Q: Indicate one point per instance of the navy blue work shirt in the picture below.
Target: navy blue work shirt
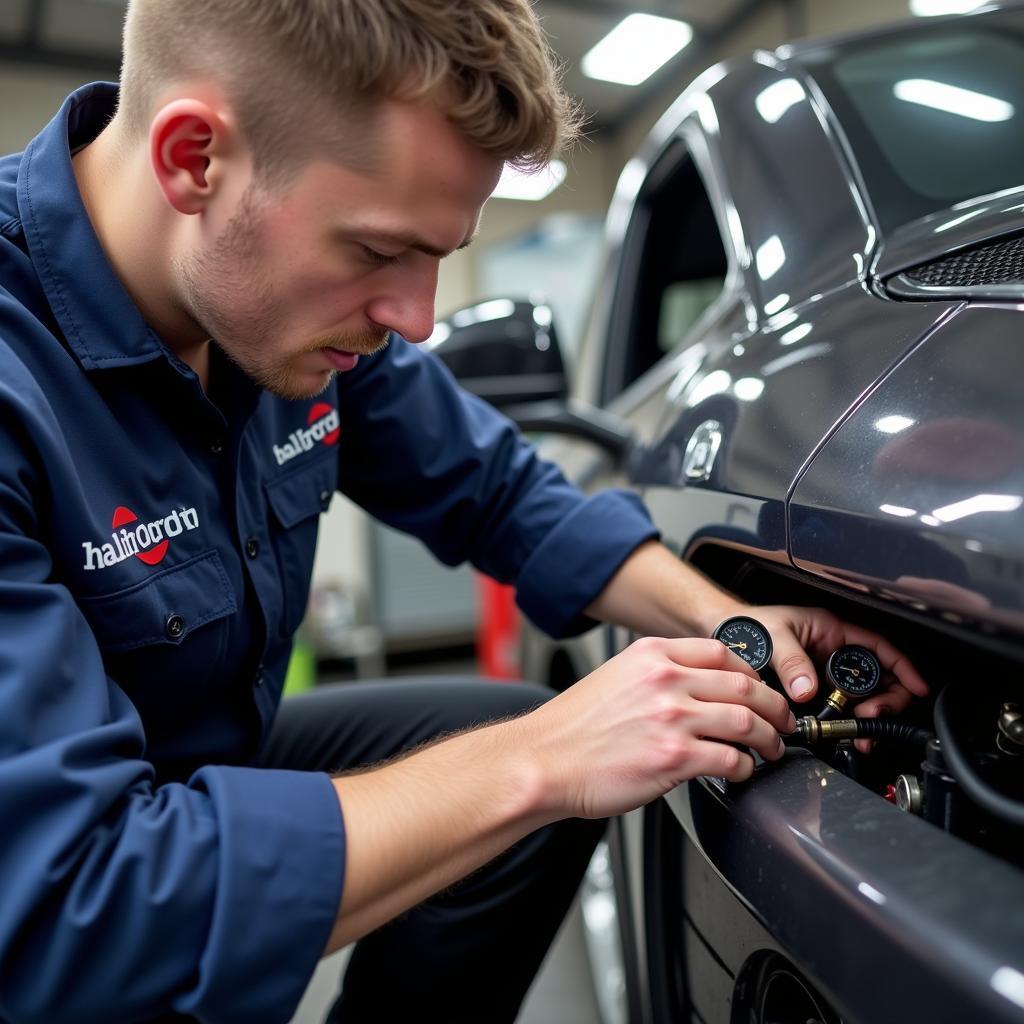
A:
(156, 544)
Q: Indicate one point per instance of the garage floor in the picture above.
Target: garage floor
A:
(560, 995)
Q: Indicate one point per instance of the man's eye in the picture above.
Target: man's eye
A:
(380, 258)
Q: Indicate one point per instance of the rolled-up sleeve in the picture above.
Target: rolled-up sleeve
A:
(124, 900)
(426, 457)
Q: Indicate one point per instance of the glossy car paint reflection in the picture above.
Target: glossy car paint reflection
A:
(983, 219)
(818, 837)
(804, 228)
(779, 391)
(933, 514)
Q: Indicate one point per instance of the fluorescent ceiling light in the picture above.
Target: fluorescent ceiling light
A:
(979, 503)
(1009, 982)
(898, 510)
(774, 101)
(494, 309)
(442, 332)
(953, 100)
(636, 48)
(748, 389)
(514, 184)
(796, 334)
(960, 220)
(770, 257)
(893, 424)
(931, 8)
(776, 305)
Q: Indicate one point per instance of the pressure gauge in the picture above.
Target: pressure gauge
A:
(854, 673)
(747, 638)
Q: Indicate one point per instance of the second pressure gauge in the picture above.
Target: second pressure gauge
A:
(854, 673)
(854, 670)
(747, 638)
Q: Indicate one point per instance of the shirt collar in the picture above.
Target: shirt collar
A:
(102, 325)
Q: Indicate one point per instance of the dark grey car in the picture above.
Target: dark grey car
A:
(807, 354)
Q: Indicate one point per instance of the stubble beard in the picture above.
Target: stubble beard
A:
(213, 281)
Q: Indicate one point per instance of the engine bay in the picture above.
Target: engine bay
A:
(955, 758)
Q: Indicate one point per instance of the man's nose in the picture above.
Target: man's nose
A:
(407, 305)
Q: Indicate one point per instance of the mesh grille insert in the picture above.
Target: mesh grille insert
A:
(1001, 263)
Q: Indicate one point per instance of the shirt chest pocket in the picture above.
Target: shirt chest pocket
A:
(296, 501)
(187, 602)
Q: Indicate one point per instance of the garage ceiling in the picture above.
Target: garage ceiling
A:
(85, 35)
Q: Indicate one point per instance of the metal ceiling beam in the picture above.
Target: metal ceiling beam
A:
(34, 24)
(609, 7)
(108, 67)
(32, 50)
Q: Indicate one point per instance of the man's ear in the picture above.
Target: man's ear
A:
(185, 139)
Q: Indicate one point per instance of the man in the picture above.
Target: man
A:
(212, 290)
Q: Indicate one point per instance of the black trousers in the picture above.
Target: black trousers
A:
(469, 953)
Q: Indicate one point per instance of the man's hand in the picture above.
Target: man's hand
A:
(647, 720)
(630, 731)
(654, 592)
(800, 634)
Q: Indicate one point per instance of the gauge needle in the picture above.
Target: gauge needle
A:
(854, 672)
(742, 647)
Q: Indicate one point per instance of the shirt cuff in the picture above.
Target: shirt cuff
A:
(577, 559)
(280, 868)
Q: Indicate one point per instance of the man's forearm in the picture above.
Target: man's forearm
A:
(657, 594)
(417, 825)
(622, 736)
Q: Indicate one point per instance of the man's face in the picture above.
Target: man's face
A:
(301, 282)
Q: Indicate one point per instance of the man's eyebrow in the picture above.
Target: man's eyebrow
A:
(412, 242)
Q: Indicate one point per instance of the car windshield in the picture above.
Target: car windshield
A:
(934, 113)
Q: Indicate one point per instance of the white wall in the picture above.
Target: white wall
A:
(588, 187)
(29, 97)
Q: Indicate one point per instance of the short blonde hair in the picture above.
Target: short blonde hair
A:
(281, 60)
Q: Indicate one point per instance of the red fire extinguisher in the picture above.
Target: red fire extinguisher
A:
(497, 635)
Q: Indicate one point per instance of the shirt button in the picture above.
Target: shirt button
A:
(252, 547)
(325, 498)
(217, 448)
(174, 626)
(258, 679)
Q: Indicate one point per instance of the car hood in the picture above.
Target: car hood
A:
(979, 220)
(919, 495)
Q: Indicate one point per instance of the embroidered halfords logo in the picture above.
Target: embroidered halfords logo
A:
(148, 541)
(323, 427)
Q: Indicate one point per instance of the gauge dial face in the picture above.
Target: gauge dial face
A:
(854, 670)
(747, 638)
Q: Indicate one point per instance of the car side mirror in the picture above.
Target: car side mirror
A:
(507, 352)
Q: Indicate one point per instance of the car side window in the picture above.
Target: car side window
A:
(673, 267)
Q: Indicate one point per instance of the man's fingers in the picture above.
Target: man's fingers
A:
(892, 660)
(794, 668)
(730, 689)
(891, 702)
(739, 724)
(719, 759)
(697, 652)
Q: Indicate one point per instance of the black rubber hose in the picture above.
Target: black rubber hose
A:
(983, 794)
(891, 729)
